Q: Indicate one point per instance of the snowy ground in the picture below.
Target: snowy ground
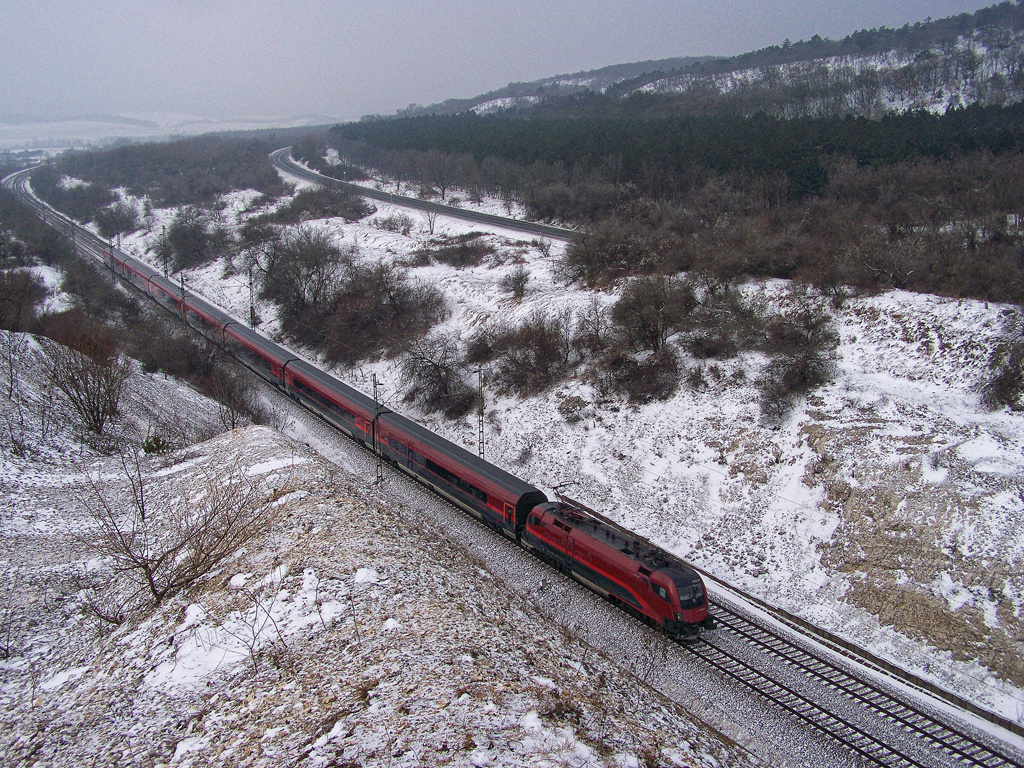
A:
(887, 509)
(352, 630)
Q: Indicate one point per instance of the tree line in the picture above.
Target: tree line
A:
(194, 171)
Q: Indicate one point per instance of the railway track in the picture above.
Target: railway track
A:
(813, 704)
(949, 743)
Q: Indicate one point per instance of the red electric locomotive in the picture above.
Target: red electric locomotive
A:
(644, 580)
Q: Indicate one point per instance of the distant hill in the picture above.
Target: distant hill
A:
(518, 94)
(931, 65)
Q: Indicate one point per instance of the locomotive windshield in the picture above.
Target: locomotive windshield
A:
(691, 589)
(691, 596)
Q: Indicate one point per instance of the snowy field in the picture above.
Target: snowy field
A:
(888, 508)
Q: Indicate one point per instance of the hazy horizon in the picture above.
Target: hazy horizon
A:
(231, 58)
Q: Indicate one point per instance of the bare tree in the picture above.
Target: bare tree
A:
(237, 401)
(93, 385)
(651, 309)
(13, 347)
(431, 218)
(433, 375)
(165, 548)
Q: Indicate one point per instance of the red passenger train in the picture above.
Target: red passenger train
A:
(631, 572)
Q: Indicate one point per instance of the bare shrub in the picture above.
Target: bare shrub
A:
(165, 548)
(237, 401)
(174, 349)
(117, 218)
(515, 282)
(13, 347)
(1005, 386)
(21, 293)
(593, 329)
(323, 202)
(616, 248)
(572, 408)
(536, 355)
(466, 250)
(399, 223)
(651, 309)
(433, 374)
(192, 240)
(304, 270)
(92, 384)
(377, 311)
(480, 348)
(651, 377)
(804, 344)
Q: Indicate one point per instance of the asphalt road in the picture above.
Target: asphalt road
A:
(283, 160)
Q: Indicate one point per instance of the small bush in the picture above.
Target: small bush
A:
(21, 294)
(117, 219)
(192, 240)
(803, 344)
(515, 282)
(93, 384)
(397, 222)
(572, 408)
(651, 309)
(654, 377)
(1005, 385)
(377, 311)
(466, 250)
(323, 203)
(156, 444)
(533, 356)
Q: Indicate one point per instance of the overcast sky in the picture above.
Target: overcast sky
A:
(232, 58)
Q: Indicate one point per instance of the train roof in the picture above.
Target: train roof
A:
(634, 547)
(260, 341)
(330, 383)
(420, 434)
(223, 317)
(474, 463)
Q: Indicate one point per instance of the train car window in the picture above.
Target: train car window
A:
(455, 480)
(533, 520)
(660, 591)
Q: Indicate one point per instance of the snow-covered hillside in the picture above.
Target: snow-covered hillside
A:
(888, 508)
(930, 66)
(351, 630)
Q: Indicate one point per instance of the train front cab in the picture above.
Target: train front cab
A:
(688, 598)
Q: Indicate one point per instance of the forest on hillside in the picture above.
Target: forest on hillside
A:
(918, 201)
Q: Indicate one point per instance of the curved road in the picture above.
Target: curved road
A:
(282, 159)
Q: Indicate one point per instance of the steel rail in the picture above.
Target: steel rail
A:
(943, 735)
(836, 727)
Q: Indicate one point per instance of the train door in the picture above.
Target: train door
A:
(563, 543)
